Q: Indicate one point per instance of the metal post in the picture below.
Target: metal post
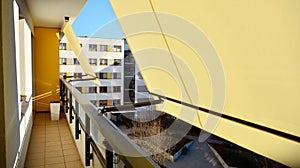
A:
(109, 157)
(88, 139)
(66, 100)
(70, 107)
(61, 90)
(77, 130)
(77, 121)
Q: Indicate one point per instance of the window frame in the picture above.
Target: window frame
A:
(105, 62)
(93, 47)
(91, 61)
(116, 89)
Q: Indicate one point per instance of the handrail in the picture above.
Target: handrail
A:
(132, 106)
(119, 142)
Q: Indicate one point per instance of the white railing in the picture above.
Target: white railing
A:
(99, 142)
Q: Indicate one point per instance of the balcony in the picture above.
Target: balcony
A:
(99, 141)
(51, 144)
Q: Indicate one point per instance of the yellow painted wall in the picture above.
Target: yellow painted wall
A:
(46, 67)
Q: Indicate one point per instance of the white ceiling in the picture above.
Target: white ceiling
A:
(51, 13)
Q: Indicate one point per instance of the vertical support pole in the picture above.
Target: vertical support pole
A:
(77, 130)
(109, 157)
(61, 90)
(63, 93)
(77, 123)
(66, 99)
(70, 107)
(88, 139)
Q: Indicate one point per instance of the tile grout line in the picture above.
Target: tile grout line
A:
(62, 149)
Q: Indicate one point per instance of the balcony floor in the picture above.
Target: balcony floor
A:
(51, 144)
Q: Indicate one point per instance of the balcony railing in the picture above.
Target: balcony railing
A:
(97, 138)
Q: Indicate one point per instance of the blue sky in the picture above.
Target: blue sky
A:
(97, 19)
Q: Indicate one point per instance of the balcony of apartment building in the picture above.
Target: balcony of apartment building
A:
(259, 101)
(82, 137)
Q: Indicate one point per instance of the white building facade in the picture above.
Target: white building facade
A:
(106, 57)
(113, 64)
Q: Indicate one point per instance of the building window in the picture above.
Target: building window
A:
(103, 89)
(76, 62)
(116, 102)
(117, 89)
(117, 62)
(103, 61)
(92, 47)
(103, 47)
(77, 75)
(62, 61)
(63, 46)
(117, 48)
(103, 102)
(93, 61)
(102, 75)
(142, 89)
(92, 89)
(116, 75)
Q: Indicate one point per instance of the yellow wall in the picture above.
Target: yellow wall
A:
(46, 67)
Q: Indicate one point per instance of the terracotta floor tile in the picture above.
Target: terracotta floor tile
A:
(51, 139)
(54, 160)
(52, 132)
(37, 140)
(70, 158)
(68, 146)
(70, 152)
(65, 131)
(75, 164)
(51, 123)
(34, 149)
(51, 126)
(59, 165)
(53, 154)
(66, 142)
(34, 166)
(37, 144)
(65, 137)
(53, 148)
(35, 162)
(52, 144)
(33, 156)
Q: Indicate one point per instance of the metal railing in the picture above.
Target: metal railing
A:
(95, 124)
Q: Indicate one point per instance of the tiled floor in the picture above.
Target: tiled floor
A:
(51, 144)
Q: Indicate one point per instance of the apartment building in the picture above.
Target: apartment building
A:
(114, 65)
(106, 59)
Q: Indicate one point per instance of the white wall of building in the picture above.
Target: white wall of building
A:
(109, 55)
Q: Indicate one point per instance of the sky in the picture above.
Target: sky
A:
(97, 19)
